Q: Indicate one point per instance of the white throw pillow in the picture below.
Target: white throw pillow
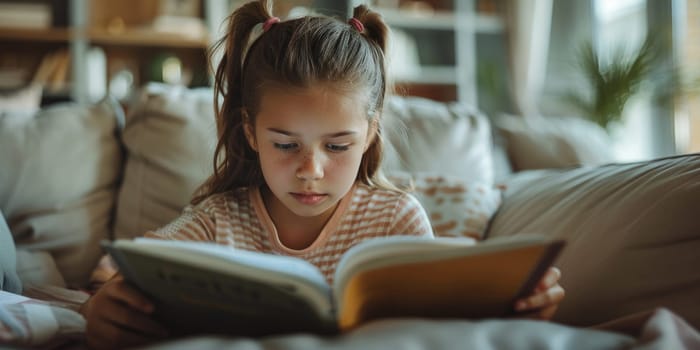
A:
(60, 170)
(426, 136)
(456, 208)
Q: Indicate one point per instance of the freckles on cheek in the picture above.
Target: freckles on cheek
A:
(270, 160)
(281, 162)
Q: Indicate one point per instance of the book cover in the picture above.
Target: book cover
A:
(207, 288)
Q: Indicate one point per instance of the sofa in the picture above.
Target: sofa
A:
(75, 175)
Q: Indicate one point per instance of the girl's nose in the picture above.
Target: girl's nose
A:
(311, 167)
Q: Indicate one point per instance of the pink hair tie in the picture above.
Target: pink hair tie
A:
(269, 22)
(255, 33)
(355, 23)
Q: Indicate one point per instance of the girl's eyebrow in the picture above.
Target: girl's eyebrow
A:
(331, 135)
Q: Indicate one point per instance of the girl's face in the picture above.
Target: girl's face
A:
(310, 143)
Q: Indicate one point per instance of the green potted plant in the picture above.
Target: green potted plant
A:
(611, 83)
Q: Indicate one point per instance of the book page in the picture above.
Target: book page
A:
(390, 250)
(287, 265)
(402, 249)
(267, 268)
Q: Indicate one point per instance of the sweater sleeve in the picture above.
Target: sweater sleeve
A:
(194, 224)
(410, 218)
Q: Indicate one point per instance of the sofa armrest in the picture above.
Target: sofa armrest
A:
(632, 234)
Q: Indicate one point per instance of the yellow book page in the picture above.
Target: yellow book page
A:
(473, 287)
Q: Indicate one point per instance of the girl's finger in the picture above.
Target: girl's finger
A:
(551, 296)
(550, 279)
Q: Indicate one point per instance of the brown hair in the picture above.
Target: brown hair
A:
(296, 53)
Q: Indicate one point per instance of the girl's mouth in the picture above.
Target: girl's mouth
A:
(309, 198)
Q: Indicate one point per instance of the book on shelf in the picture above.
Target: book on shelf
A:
(25, 15)
(204, 287)
(53, 69)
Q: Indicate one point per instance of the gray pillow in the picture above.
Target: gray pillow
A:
(8, 260)
(551, 142)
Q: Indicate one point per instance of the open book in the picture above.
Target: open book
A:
(203, 287)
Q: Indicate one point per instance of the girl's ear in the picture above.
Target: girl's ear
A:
(249, 131)
(371, 133)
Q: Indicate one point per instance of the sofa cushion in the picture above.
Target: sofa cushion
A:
(632, 231)
(60, 170)
(442, 138)
(543, 143)
(170, 135)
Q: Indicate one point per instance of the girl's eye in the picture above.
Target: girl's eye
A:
(285, 146)
(337, 148)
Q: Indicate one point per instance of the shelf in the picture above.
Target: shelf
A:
(130, 37)
(441, 20)
(145, 37)
(35, 35)
(429, 75)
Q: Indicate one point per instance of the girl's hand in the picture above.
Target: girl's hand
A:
(119, 316)
(545, 299)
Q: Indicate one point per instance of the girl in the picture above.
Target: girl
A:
(296, 164)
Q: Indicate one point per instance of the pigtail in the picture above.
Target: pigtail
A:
(228, 76)
(374, 26)
(233, 156)
(376, 31)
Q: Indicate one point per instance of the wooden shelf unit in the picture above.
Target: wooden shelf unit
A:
(122, 30)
